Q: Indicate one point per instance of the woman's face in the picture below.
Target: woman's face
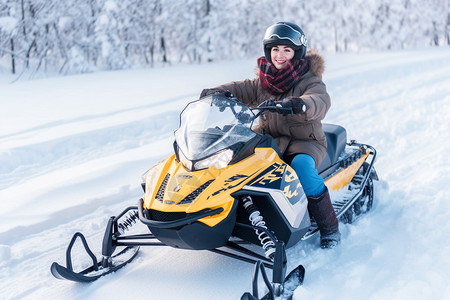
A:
(281, 55)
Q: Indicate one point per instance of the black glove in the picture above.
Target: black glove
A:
(296, 103)
(207, 92)
(283, 107)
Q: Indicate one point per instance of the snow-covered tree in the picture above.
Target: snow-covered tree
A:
(75, 36)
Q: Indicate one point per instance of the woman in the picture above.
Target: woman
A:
(290, 77)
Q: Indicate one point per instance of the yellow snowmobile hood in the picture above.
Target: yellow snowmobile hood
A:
(172, 188)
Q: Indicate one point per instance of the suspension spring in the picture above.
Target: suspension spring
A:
(257, 220)
(127, 222)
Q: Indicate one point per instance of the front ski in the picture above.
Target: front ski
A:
(96, 270)
(292, 282)
(285, 291)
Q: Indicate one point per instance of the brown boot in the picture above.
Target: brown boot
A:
(321, 209)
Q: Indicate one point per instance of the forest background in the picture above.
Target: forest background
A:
(79, 36)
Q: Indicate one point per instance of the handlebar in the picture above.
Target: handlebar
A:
(276, 108)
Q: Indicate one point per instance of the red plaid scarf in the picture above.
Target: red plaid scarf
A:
(277, 81)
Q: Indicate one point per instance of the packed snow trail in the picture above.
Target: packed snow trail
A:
(72, 150)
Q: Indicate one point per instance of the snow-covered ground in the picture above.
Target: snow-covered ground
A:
(72, 150)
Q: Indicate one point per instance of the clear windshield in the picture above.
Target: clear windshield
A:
(212, 124)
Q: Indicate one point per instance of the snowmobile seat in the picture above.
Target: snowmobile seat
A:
(336, 140)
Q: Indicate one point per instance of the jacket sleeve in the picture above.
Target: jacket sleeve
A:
(244, 91)
(315, 97)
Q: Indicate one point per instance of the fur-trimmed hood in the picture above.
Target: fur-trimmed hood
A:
(316, 62)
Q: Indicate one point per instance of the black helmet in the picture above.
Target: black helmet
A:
(285, 33)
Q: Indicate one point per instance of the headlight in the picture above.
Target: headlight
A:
(219, 160)
(144, 176)
(149, 177)
(186, 162)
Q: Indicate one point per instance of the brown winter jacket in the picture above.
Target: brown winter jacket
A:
(294, 134)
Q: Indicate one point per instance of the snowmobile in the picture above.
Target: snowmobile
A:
(227, 189)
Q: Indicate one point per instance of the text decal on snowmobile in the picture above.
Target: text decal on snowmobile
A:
(269, 177)
(229, 183)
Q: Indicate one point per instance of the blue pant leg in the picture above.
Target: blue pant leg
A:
(305, 167)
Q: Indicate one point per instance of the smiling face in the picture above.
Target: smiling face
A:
(281, 55)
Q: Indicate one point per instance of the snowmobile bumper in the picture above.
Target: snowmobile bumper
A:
(186, 232)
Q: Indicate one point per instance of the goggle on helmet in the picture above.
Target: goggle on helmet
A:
(285, 33)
